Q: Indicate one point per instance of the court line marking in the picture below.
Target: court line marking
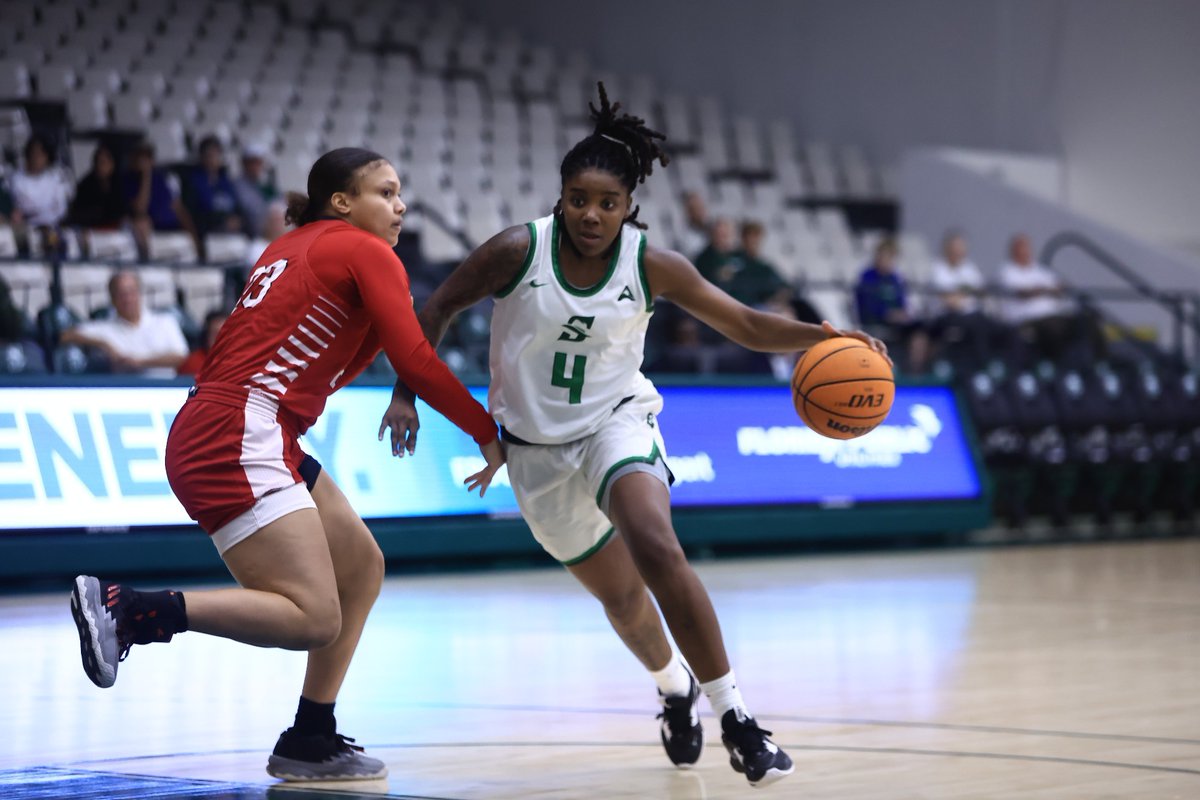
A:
(949, 726)
(790, 746)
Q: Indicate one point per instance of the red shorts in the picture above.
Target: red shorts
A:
(234, 461)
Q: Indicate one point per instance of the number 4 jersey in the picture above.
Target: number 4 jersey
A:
(562, 357)
(318, 306)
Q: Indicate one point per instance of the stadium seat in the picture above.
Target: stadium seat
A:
(116, 246)
(22, 358)
(172, 247)
(51, 321)
(85, 286)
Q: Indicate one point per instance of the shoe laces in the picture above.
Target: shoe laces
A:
(347, 743)
(677, 712)
(117, 604)
(750, 737)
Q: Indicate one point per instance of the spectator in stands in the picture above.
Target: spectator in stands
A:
(720, 260)
(154, 200)
(274, 225)
(881, 298)
(212, 326)
(1033, 302)
(694, 236)
(100, 200)
(41, 194)
(757, 282)
(12, 321)
(209, 193)
(254, 188)
(135, 339)
(6, 198)
(959, 327)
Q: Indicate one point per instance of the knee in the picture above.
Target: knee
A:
(657, 553)
(370, 572)
(322, 625)
(623, 608)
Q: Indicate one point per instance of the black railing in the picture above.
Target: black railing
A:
(1183, 307)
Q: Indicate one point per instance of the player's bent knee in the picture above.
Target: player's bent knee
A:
(625, 607)
(321, 627)
(656, 555)
(373, 568)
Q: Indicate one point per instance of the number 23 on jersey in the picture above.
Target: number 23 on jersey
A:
(259, 283)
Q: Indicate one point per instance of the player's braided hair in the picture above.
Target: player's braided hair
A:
(619, 144)
(336, 171)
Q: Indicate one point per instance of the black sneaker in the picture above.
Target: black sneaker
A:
(751, 752)
(98, 608)
(319, 757)
(682, 736)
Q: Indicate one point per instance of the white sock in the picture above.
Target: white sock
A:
(673, 680)
(723, 695)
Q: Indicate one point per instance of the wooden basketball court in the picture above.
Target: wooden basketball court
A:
(1065, 671)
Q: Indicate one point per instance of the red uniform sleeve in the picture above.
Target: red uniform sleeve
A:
(383, 286)
(361, 360)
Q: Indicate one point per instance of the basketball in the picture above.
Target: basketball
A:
(842, 388)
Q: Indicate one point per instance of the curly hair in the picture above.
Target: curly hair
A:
(620, 144)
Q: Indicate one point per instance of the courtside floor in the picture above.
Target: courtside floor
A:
(1040, 672)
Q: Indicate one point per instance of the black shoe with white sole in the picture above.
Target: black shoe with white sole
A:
(682, 736)
(751, 752)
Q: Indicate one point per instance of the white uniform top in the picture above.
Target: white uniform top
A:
(562, 358)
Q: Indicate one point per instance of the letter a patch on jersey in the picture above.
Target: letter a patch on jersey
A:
(626, 294)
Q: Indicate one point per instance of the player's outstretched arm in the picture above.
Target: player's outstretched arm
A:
(674, 278)
(487, 270)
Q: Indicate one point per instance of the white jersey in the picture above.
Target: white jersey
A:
(563, 358)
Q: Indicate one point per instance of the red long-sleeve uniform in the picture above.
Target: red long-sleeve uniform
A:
(318, 307)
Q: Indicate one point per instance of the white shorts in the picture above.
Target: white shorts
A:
(563, 490)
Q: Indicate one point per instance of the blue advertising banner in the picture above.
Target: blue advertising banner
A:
(92, 457)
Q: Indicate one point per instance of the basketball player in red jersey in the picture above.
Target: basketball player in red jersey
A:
(574, 293)
(318, 307)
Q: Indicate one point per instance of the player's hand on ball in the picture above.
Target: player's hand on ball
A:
(402, 418)
(875, 344)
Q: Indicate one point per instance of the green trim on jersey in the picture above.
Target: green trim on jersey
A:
(650, 459)
(591, 550)
(642, 274)
(515, 282)
(591, 290)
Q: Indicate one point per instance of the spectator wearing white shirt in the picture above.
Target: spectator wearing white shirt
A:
(955, 280)
(1033, 302)
(960, 329)
(41, 195)
(135, 340)
(1031, 291)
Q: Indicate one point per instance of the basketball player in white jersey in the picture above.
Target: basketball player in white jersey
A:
(574, 292)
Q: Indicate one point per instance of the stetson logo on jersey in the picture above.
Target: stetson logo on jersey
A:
(573, 332)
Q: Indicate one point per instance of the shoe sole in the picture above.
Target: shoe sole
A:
(87, 624)
(282, 768)
(771, 776)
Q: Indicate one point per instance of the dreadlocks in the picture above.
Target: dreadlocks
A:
(620, 144)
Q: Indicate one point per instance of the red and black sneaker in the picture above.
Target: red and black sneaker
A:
(104, 642)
